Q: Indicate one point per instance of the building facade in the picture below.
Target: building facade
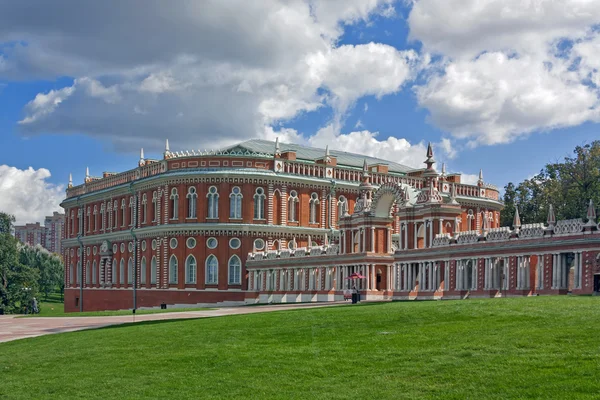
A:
(32, 234)
(55, 225)
(48, 236)
(179, 230)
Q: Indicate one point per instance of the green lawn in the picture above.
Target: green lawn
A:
(540, 347)
(57, 310)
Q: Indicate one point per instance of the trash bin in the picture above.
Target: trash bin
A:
(163, 306)
(354, 298)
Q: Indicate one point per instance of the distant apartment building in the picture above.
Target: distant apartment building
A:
(31, 234)
(54, 225)
(48, 236)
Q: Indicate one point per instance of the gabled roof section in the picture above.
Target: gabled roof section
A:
(306, 153)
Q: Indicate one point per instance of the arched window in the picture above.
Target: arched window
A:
(314, 208)
(114, 271)
(235, 270)
(154, 206)
(122, 272)
(131, 211)
(87, 273)
(144, 208)
(72, 222)
(235, 203)
(174, 204)
(192, 197)
(102, 208)
(89, 219)
(259, 203)
(95, 218)
(115, 214)
(122, 212)
(471, 220)
(94, 272)
(173, 269)
(79, 220)
(130, 271)
(213, 202)
(212, 270)
(190, 269)
(143, 271)
(342, 206)
(293, 206)
(153, 271)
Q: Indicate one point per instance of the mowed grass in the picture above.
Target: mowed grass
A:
(57, 310)
(542, 347)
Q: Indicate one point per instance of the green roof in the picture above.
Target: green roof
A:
(306, 153)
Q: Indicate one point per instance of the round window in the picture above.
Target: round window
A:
(235, 243)
(292, 245)
(130, 247)
(115, 248)
(122, 247)
(260, 191)
(153, 244)
(173, 243)
(212, 190)
(143, 245)
(211, 243)
(95, 250)
(236, 190)
(191, 243)
(88, 251)
(259, 244)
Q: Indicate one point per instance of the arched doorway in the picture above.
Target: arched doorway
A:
(420, 237)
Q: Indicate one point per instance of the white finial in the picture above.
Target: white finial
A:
(327, 150)
(481, 175)
(443, 168)
(142, 154)
(277, 149)
(87, 172)
(167, 145)
(70, 179)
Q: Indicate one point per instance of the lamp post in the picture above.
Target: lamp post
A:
(132, 232)
(80, 241)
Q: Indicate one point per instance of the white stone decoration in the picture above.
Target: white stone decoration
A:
(567, 226)
(498, 234)
(467, 237)
(528, 231)
(441, 239)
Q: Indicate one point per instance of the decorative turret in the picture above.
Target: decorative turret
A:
(327, 156)
(430, 161)
(142, 161)
(70, 185)
(363, 204)
(453, 194)
(87, 175)
(551, 217)
(277, 149)
(516, 221)
(167, 153)
(443, 175)
(591, 214)
(480, 180)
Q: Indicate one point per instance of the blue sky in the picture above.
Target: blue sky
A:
(506, 86)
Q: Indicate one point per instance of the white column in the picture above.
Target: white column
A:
(363, 237)
(430, 285)
(579, 269)
(415, 235)
(374, 276)
(528, 272)
(404, 276)
(540, 279)
(430, 233)
(343, 244)
(553, 271)
(446, 275)
(372, 239)
(405, 236)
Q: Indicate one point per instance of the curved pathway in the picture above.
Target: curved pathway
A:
(13, 328)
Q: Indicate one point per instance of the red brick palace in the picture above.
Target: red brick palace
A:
(262, 221)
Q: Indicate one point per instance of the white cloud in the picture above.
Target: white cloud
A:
(27, 194)
(495, 99)
(507, 67)
(194, 79)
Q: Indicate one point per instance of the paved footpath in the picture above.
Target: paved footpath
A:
(12, 328)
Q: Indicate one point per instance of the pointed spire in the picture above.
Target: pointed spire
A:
(142, 154)
(327, 151)
(167, 153)
(430, 161)
(551, 217)
(365, 166)
(70, 180)
(443, 169)
(87, 172)
(480, 180)
(167, 146)
(591, 213)
(517, 220)
(277, 153)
